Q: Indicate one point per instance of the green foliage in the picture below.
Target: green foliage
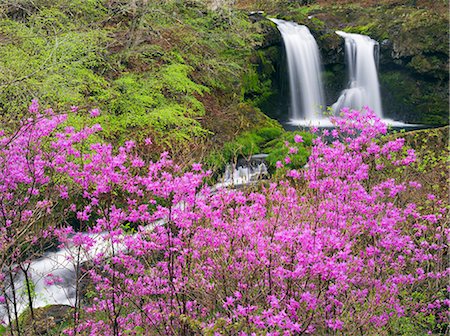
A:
(245, 145)
(28, 286)
(146, 65)
(269, 133)
(166, 107)
(278, 150)
(254, 87)
(173, 118)
(134, 94)
(55, 66)
(421, 323)
(175, 78)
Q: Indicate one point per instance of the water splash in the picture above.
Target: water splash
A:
(245, 172)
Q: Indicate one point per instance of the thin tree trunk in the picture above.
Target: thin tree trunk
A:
(13, 292)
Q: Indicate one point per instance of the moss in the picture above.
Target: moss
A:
(48, 320)
(414, 101)
(269, 133)
(427, 65)
(418, 31)
(364, 30)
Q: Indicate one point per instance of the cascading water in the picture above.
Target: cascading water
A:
(304, 68)
(245, 172)
(54, 275)
(363, 90)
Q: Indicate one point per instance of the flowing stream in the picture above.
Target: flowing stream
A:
(244, 172)
(54, 275)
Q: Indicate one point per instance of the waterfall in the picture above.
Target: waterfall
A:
(304, 66)
(363, 90)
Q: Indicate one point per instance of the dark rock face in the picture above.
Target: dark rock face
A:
(272, 36)
(414, 68)
(413, 65)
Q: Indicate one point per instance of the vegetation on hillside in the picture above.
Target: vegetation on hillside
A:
(173, 71)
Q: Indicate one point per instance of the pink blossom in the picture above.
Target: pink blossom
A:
(293, 150)
(34, 107)
(94, 113)
(328, 245)
(196, 166)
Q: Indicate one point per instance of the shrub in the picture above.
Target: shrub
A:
(340, 255)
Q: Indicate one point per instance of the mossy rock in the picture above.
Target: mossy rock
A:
(428, 65)
(415, 101)
(48, 320)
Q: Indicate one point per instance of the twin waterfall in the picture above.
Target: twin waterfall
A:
(304, 66)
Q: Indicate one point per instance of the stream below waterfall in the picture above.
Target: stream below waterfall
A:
(54, 275)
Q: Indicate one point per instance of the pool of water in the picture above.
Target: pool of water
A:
(301, 124)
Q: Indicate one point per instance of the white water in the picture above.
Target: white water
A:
(60, 268)
(61, 265)
(363, 90)
(53, 276)
(326, 123)
(304, 65)
(243, 174)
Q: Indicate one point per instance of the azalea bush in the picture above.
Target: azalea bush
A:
(323, 250)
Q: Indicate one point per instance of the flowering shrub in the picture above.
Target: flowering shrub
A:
(26, 202)
(180, 257)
